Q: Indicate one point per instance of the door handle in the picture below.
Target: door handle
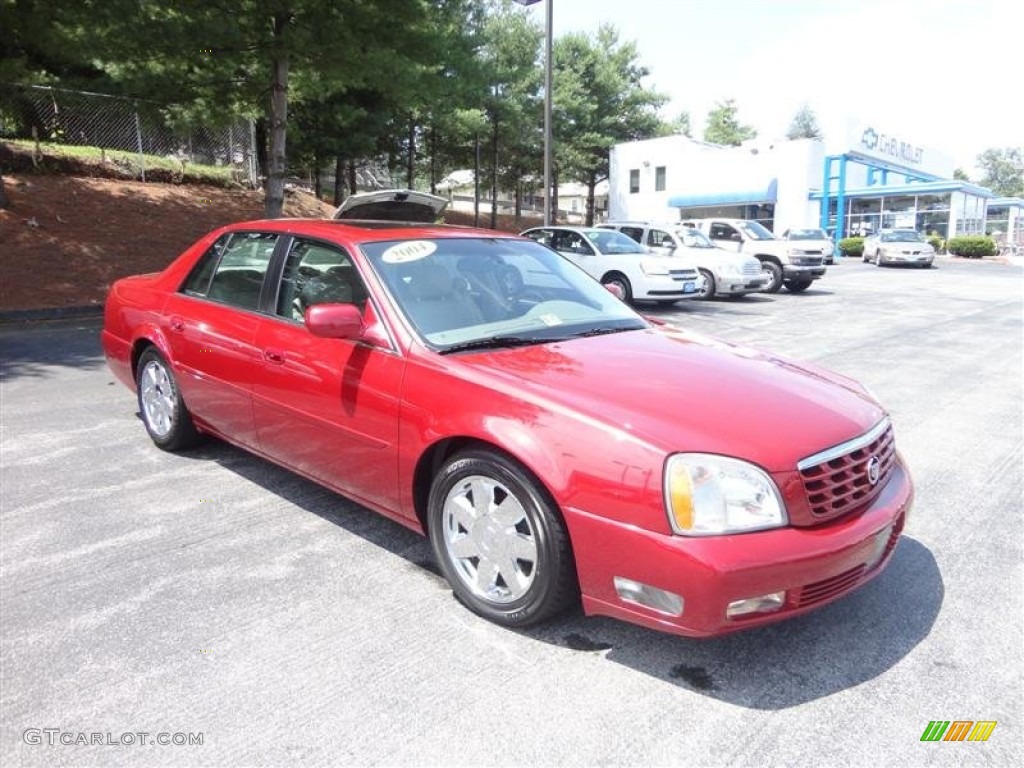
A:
(275, 356)
(177, 324)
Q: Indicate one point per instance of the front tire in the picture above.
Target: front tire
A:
(708, 291)
(774, 271)
(620, 280)
(797, 286)
(163, 410)
(499, 540)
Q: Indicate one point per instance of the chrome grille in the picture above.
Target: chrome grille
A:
(807, 261)
(683, 274)
(751, 269)
(839, 482)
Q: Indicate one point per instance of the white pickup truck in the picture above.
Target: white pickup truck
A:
(780, 260)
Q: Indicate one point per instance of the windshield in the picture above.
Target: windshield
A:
(807, 234)
(693, 238)
(457, 292)
(756, 231)
(611, 241)
(903, 236)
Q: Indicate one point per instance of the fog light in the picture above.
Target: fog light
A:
(650, 597)
(763, 604)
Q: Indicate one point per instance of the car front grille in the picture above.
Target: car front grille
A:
(807, 261)
(683, 274)
(751, 270)
(841, 482)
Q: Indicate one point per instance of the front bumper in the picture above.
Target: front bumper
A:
(662, 287)
(813, 566)
(797, 272)
(906, 258)
(735, 285)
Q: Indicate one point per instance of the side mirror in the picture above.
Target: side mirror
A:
(335, 321)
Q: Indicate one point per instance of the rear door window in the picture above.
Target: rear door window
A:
(238, 278)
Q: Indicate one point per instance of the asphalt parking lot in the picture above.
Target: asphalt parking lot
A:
(212, 593)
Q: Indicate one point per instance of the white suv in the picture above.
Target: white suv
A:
(618, 261)
(725, 273)
(784, 264)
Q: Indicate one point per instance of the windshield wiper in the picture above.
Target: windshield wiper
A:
(495, 342)
(601, 331)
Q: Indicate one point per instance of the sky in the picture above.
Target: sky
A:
(946, 74)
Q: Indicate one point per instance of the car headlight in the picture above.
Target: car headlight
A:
(706, 495)
(730, 269)
(653, 268)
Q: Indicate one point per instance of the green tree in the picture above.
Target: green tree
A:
(960, 175)
(599, 100)
(681, 125)
(259, 57)
(724, 128)
(1003, 171)
(804, 125)
(511, 93)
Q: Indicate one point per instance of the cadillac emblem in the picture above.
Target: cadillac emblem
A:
(874, 468)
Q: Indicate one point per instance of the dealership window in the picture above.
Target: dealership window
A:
(659, 179)
(997, 220)
(968, 213)
(898, 211)
(634, 181)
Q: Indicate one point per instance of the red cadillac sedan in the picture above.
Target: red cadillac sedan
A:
(554, 445)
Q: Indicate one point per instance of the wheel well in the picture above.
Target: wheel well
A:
(768, 257)
(613, 273)
(436, 455)
(140, 346)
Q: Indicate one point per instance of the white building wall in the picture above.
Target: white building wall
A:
(672, 152)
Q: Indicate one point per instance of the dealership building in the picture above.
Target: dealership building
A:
(869, 180)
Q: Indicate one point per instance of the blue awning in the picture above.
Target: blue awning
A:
(718, 194)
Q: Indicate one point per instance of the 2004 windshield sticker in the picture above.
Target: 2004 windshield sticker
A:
(413, 250)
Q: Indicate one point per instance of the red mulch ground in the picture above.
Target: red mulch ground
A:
(65, 239)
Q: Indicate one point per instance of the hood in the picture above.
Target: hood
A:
(392, 205)
(684, 392)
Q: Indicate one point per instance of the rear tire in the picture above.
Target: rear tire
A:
(499, 540)
(163, 410)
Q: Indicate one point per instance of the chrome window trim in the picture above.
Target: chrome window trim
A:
(844, 448)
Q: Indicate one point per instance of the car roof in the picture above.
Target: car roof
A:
(366, 231)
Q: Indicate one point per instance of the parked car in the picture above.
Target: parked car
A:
(725, 273)
(812, 242)
(781, 263)
(898, 246)
(555, 446)
(619, 261)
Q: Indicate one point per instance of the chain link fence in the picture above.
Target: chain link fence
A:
(144, 129)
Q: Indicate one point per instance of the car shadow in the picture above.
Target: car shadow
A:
(32, 353)
(783, 665)
(839, 646)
